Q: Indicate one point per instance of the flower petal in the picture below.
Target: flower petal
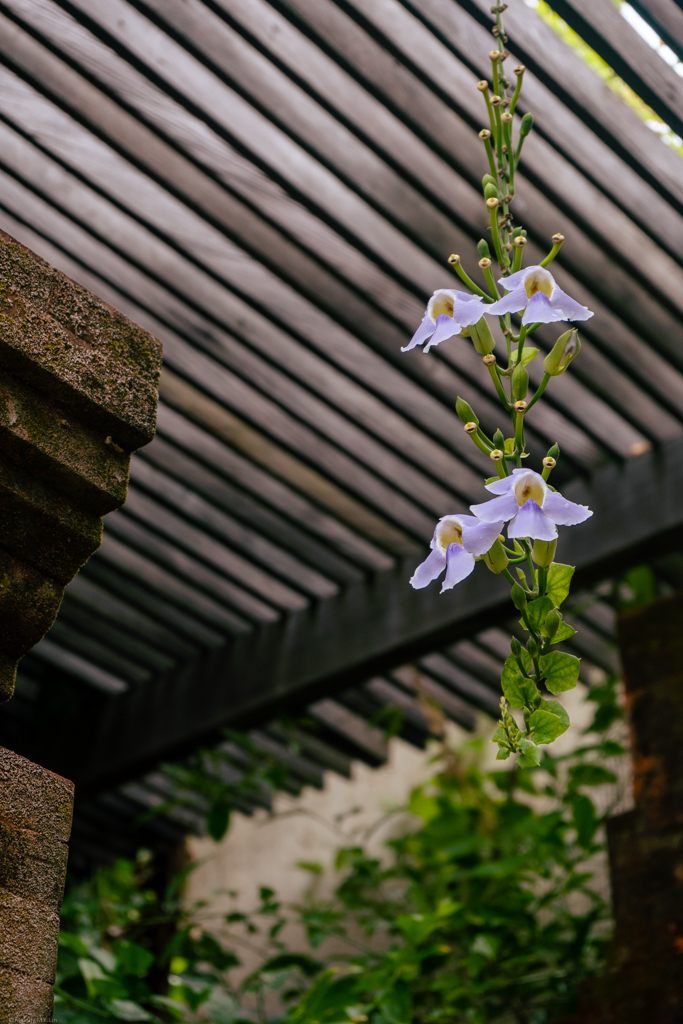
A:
(460, 565)
(501, 486)
(510, 303)
(531, 522)
(569, 307)
(423, 332)
(478, 537)
(541, 311)
(497, 509)
(432, 567)
(468, 309)
(508, 283)
(446, 327)
(563, 512)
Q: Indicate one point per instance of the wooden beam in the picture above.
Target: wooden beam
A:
(364, 631)
(666, 17)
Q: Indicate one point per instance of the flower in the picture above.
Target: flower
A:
(534, 291)
(456, 540)
(448, 312)
(534, 510)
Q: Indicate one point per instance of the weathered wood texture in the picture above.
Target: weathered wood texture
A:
(272, 188)
(643, 982)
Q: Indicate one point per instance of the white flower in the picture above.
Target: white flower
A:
(534, 290)
(448, 312)
(531, 507)
(456, 540)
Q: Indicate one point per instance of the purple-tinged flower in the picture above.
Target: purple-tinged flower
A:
(531, 507)
(448, 312)
(456, 541)
(534, 290)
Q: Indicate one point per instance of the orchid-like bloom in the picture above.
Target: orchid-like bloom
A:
(534, 290)
(448, 312)
(456, 541)
(533, 510)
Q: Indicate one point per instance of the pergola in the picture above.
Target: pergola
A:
(272, 188)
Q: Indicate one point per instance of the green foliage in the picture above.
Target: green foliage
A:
(483, 910)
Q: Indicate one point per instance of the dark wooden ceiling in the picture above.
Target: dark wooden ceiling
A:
(272, 187)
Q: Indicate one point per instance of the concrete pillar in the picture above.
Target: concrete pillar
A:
(644, 983)
(78, 394)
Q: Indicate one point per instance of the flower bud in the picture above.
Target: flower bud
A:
(554, 452)
(543, 552)
(518, 597)
(495, 558)
(563, 351)
(488, 179)
(498, 439)
(481, 336)
(490, 190)
(483, 248)
(515, 647)
(532, 647)
(465, 411)
(553, 621)
(519, 382)
(526, 125)
(494, 54)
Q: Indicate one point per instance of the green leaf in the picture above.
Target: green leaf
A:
(519, 691)
(546, 726)
(564, 633)
(536, 612)
(556, 708)
(132, 958)
(218, 819)
(509, 445)
(396, 1004)
(530, 756)
(124, 1009)
(528, 353)
(590, 775)
(584, 819)
(417, 927)
(503, 754)
(559, 581)
(560, 670)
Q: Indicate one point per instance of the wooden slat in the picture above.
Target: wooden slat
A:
(666, 17)
(463, 683)
(135, 562)
(88, 625)
(623, 49)
(368, 740)
(212, 520)
(99, 652)
(79, 667)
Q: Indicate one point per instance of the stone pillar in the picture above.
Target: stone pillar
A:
(644, 983)
(78, 394)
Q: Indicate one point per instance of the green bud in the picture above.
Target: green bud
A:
(563, 351)
(465, 411)
(519, 384)
(515, 647)
(481, 336)
(491, 191)
(553, 621)
(488, 179)
(543, 552)
(483, 247)
(517, 232)
(495, 558)
(532, 647)
(518, 597)
(554, 452)
(526, 125)
(499, 440)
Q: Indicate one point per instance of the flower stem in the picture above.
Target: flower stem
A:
(498, 385)
(489, 153)
(542, 580)
(517, 258)
(490, 280)
(539, 390)
(520, 347)
(552, 254)
(515, 95)
(464, 276)
(519, 436)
